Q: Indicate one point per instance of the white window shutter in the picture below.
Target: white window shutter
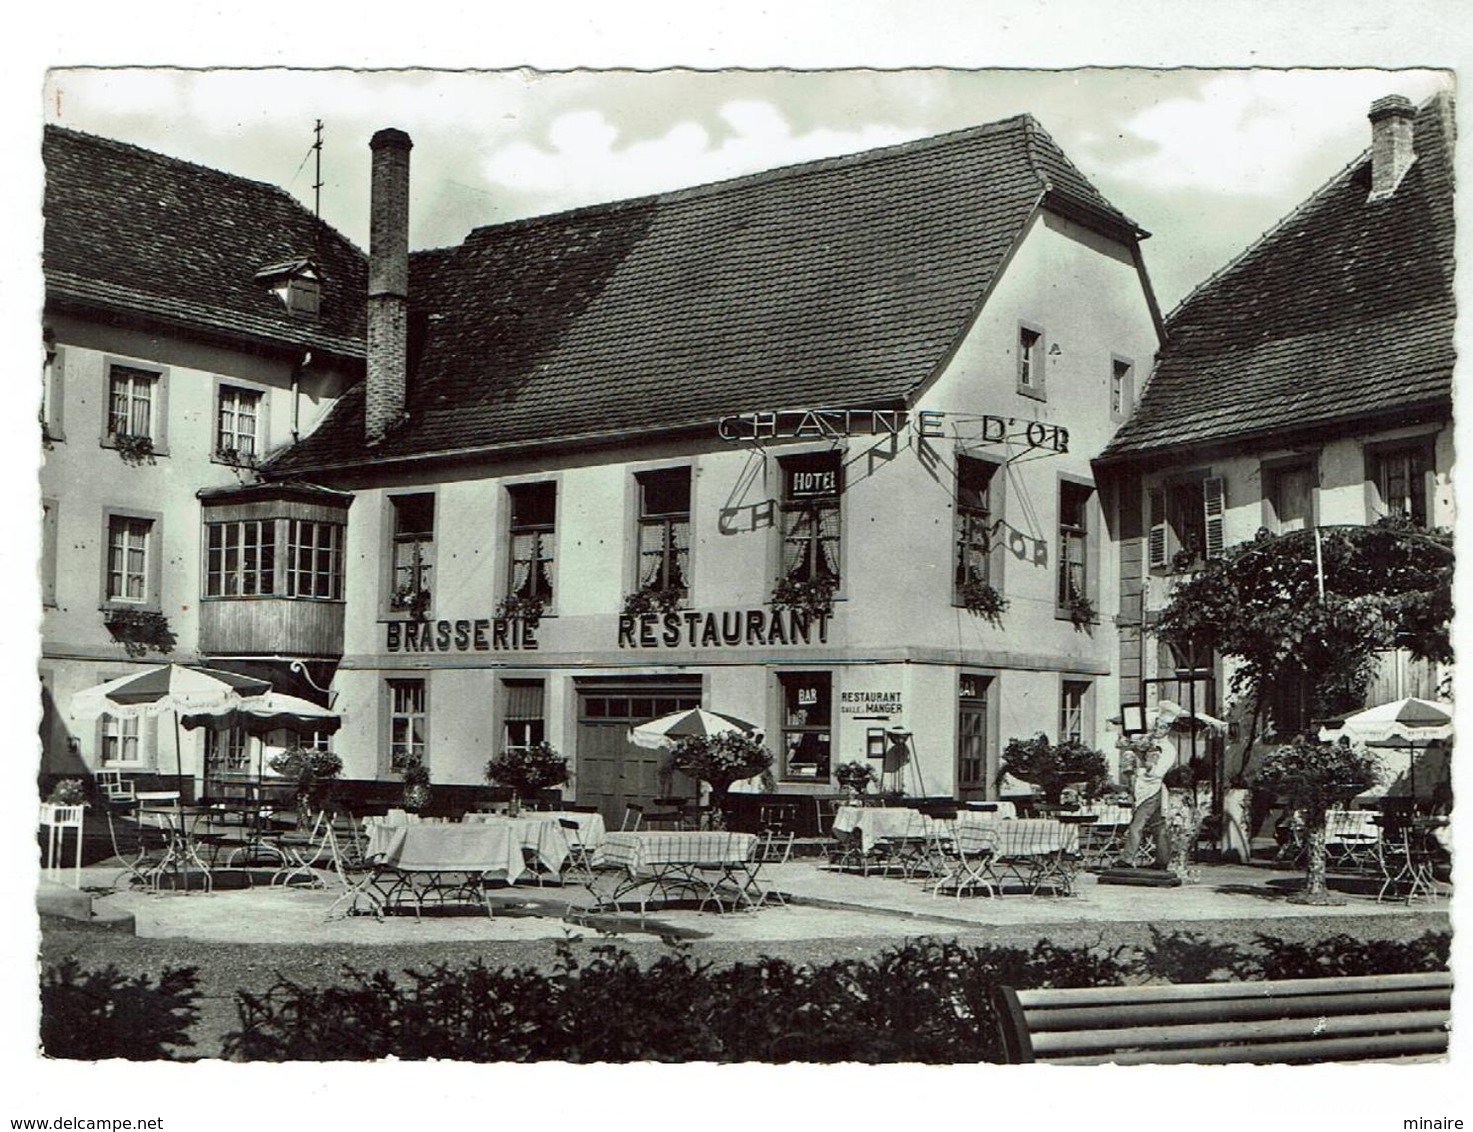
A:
(148, 744)
(1156, 543)
(1213, 506)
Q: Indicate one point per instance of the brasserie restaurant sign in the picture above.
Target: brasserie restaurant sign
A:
(705, 629)
(484, 634)
(820, 424)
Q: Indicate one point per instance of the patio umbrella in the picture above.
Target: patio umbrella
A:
(1430, 756)
(273, 711)
(180, 689)
(1408, 718)
(664, 732)
(1408, 724)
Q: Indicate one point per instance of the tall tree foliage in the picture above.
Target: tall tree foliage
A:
(1262, 604)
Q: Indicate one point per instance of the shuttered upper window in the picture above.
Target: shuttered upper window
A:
(1186, 523)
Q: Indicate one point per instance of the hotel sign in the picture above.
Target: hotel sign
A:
(703, 629)
(829, 424)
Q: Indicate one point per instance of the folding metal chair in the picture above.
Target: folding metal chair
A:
(578, 864)
(633, 816)
(848, 852)
(668, 814)
(777, 817)
(303, 852)
(1033, 852)
(1350, 840)
(910, 850)
(772, 848)
(970, 861)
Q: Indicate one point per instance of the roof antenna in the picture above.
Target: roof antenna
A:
(317, 191)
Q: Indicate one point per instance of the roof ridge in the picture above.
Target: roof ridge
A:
(1268, 233)
(155, 156)
(1298, 210)
(762, 176)
(1037, 134)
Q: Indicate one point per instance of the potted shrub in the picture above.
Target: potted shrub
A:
(1312, 777)
(416, 787)
(527, 608)
(720, 761)
(139, 630)
(1052, 766)
(311, 773)
(811, 597)
(1082, 611)
(68, 792)
(411, 600)
(983, 599)
(134, 450)
(652, 599)
(855, 777)
(526, 771)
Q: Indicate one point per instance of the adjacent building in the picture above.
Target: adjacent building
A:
(810, 447)
(195, 323)
(1308, 383)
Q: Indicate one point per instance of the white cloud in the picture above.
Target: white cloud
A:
(583, 161)
(1254, 133)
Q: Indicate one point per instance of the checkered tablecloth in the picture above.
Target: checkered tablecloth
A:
(650, 849)
(1108, 813)
(1023, 836)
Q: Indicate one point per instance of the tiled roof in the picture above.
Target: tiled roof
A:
(843, 282)
(1345, 309)
(135, 231)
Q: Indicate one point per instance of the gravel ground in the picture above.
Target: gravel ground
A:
(225, 968)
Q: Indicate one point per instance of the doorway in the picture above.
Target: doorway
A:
(612, 771)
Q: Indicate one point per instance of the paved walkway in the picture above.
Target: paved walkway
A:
(823, 904)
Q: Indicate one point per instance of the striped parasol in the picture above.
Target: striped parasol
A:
(664, 732)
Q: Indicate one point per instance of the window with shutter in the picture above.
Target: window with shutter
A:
(1212, 511)
(1157, 538)
(1186, 523)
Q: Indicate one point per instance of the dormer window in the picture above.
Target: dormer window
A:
(297, 283)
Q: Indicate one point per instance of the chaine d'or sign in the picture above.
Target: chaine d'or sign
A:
(822, 424)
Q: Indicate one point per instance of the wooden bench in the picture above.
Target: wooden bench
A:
(1290, 1020)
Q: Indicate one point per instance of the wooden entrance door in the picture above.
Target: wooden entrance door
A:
(613, 772)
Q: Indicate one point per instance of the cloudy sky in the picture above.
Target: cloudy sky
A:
(1205, 160)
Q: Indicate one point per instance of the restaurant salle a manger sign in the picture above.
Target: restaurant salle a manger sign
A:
(686, 628)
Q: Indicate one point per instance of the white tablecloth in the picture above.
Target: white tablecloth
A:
(449, 848)
(879, 823)
(542, 832)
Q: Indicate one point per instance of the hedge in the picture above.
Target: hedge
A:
(926, 1001)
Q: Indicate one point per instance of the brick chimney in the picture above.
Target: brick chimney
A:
(1392, 129)
(388, 284)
